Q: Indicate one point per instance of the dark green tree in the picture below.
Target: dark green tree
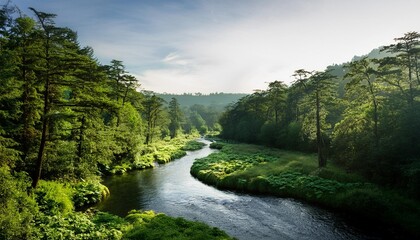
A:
(319, 88)
(152, 111)
(175, 116)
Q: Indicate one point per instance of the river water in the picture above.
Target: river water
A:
(172, 190)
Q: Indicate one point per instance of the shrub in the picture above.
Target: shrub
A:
(88, 193)
(148, 225)
(16, 207)
(75, 226)
(193, 145)
(216, 145)
(54, 198)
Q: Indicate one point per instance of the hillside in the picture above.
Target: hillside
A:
(218, 100)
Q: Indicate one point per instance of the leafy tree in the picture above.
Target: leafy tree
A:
(152, 112)
(198, 122)
(318, 86)
(363, 88)
(276, 94)
(175, 116)
(404, 63)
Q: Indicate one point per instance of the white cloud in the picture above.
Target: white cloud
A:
(233, 46)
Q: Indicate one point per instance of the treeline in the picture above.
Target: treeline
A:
(217, 101)
(65, 115)
(365, 117)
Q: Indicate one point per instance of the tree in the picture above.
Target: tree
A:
(64, 69)
(404, 64)
(152, 112)
(27, 47)
(363, 88)
(276, 94)
(319, 89)
(175, 116)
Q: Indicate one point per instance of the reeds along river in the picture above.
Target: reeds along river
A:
(172, 190)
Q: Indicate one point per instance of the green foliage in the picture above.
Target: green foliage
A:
(17, 209)
(148, 225)
(175, 116)
(161, 152)
(257, 169)
(216, 145)
(78, 226)
(193, 145)
(54, 198)
(88, 193)
(216, 100)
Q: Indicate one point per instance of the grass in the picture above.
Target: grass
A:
(161, 152)
(263, 170)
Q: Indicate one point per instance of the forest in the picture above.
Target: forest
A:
(66, 120)
(362, 115)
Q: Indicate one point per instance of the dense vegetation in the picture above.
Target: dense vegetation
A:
(262, 170)
(65, 120)
(363, 115)
(216, 100)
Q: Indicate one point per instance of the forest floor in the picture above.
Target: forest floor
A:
(263, 170)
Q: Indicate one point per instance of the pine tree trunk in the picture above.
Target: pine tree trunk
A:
(45, 123)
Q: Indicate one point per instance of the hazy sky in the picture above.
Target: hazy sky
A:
(229, 45)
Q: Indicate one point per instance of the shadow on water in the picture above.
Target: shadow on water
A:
(171, 189)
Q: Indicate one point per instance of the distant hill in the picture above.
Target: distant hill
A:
(338, 70)
(217, 100)
(221, 100)
(375, 53)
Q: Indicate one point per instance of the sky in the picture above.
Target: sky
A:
(234, 46)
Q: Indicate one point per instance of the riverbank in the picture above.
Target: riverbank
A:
(60, 210)
(160, 152)
(257, 169)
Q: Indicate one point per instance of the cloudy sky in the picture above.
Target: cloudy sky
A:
(206, 46)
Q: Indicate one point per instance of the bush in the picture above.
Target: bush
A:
(193, 145)
(89, 193)
(76, 226)
(216, 145)
(16, 207)
(148, 225)
(54, 198)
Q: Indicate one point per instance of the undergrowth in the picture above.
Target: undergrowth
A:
(48, 212)
(263, 170)
(160, 152)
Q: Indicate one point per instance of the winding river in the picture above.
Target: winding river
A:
(172, 190)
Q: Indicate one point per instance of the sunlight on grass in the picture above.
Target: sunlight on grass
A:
(259, 169)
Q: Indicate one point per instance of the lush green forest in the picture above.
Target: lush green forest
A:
(66, 120)
(363, 115)
(361, 119)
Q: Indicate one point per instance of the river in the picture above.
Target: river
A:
(172, 190)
